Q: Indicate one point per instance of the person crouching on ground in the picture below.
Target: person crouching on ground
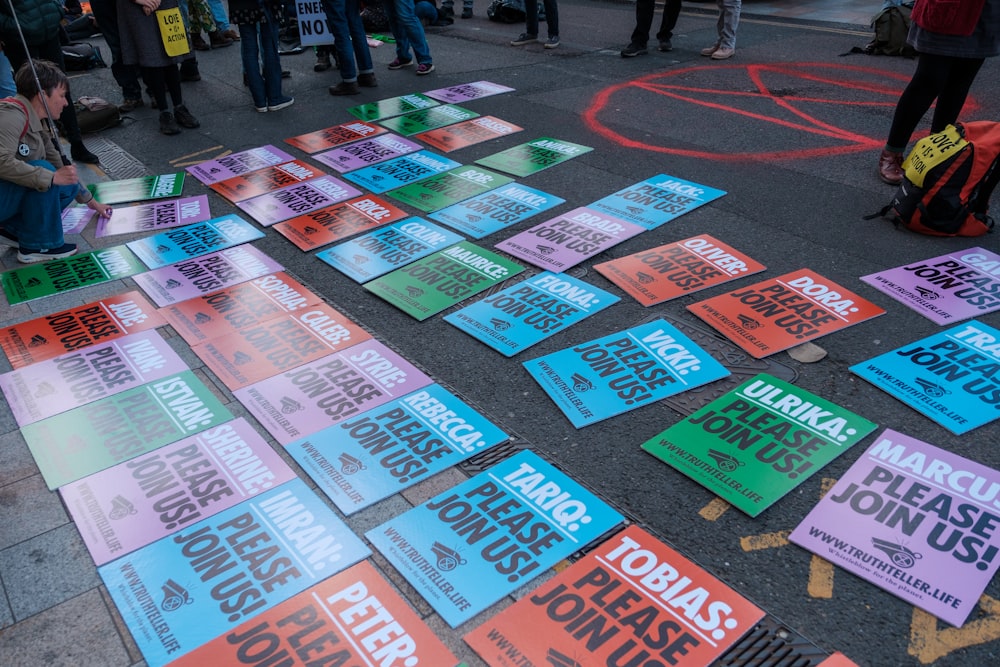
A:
(33, 191)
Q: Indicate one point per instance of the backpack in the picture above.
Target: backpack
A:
(82, 56)
(94, 114)
(891, 26)
(948, 180)
(506, 11)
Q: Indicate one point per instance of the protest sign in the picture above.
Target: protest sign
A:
(496, 209)
(464, 92)
(951, 377)
(632, 600)
(267, 179)
(387, 248)
(61, 275)
(436, 282)
(312, 22)
(212, 171)
(675, 269)
(467, 133)
(333, 223)
(138, 189)
(132, 504)
(623, 371)
(233, 308)
(154, 216)
(92, 437)
(83, 376)
(469, 546)
(186, 589)
(201, 238)
(945, 289)
(399, 171)
(294, 200)
(337, 135)
(521, 315)
(780, 313)
(76, 328)
(207, 273)
(656, 201)
(430, 118)
(533, 156)
(759, 441)
(916, 521)
(447, 188)
(369, 151)
(564, 241)
(329, 390)
(76, 218)
(392, 106)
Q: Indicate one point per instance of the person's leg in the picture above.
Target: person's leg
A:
(644, 10)
(127, 76)
(362, 54)
(336, 14)
(39, 224)
(156, 86)
(729, 21)
(929, 79)
(531, 18)
(671, 10)
(271, 62)
(551, 17)
(956, 89)
(250, 55)
(403, 56)
(408, 22)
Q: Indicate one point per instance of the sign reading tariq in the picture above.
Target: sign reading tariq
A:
(916, 521)
(466, 548)
(631, 601)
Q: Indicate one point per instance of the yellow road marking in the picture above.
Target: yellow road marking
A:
(714, 509)
(201, 152)
(928, 644)
(765, 541)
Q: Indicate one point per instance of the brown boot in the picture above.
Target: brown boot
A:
(890, 167)
(199, 43)
(219, 40)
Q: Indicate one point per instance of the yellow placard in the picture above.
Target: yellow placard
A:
(175, 41)
(931, 151)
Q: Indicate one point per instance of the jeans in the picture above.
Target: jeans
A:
(407, 30)
(219, 15)
(729, 20)
(266, 89)
(350, 41)
(7, 87)
(644, 10)
(33, 216)
(551, 17)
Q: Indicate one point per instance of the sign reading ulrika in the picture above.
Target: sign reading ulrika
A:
(623, 371)
(387, 449)
(916, 521)
(656, 201)
(527, 516)
(441, 190)
(195, 240)
(950, 377)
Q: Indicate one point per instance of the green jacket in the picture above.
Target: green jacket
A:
(39, 21)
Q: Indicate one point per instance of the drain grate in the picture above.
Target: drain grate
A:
(489, 458)
(771, 644)
(115, 162)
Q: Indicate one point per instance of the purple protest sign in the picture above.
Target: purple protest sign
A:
(916, 521)
(370, 151)
(297, 199)
(236, 164)
(154, 216)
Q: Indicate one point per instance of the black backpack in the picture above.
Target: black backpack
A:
(891, 25)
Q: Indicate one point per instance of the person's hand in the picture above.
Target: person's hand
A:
(102, 209)
(65, 175)
(148, 6)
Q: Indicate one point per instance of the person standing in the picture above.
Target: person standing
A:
(644, 10)
(409, 34)
(127, 76)
(258, 24)
(351, 45)
(725, 26)
(947, 65)
(448, 9)
(530, 34)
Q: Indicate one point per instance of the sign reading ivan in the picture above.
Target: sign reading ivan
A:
(916, 521)
(182, 591)
(953, 377)
(623, 371)
(759, 441)
(631, 601)
(468, 547)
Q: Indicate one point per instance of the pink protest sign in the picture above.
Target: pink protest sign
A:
(294, 200)
(154, 216)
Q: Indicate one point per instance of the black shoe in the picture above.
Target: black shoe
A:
(218, 40)
(131, 104)
(467, 13)
(367, 80)
(34, 255)
(323, 63)
(184, 117)
(190, 75)
(80, 153)
(665, 45)
(633, 50)
(167, 123)
(446, 13)
(286, 74)
(345, 88)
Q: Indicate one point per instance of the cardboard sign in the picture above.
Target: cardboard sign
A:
(441, 190)
(81, 441)
(294, 200)
(265, 180)
(204, 274)
(945, 289)
(916, 521)
(369, 151)
(675, 269)
(355, 617)
(61, 275)
(177, 245)
(623, 371)
(213, 171)
(439, 281)
(564, 241)
(950, 377)
(464, 92)
(780, 313)
(399, 171)
(184, 590)
(278, 344)
(233, 308)
(496, 209)
(388, 248)
(467, 133)
(759, 441)
(83, 376)
(387, 449)
(313, 27)
(76, 328)
(521, 315)
(154, 216)
(392, 106)
(427, 119)
(127, 506)
(138, 189)
(327, 391)
(460, 571)
(656, 201)
(337, 135)
(684, 616)
(326, 225)
(76, 218)
(533, 156)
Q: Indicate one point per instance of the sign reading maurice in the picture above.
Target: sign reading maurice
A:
(471, 545)
(337, 135)
(176, 245)
(212, 171)
(623, 371)
(759, 441)
(387, 449)
(642, 602)
(154, 216)
(496, 209)
(201, 582)
(59, 275)
(916, 521)
(294, 200)
(945, 289)
(656, 201)
(533, 156)
(138, 189)
(950, 377)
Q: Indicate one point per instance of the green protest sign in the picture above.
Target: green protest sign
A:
(58, 275)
